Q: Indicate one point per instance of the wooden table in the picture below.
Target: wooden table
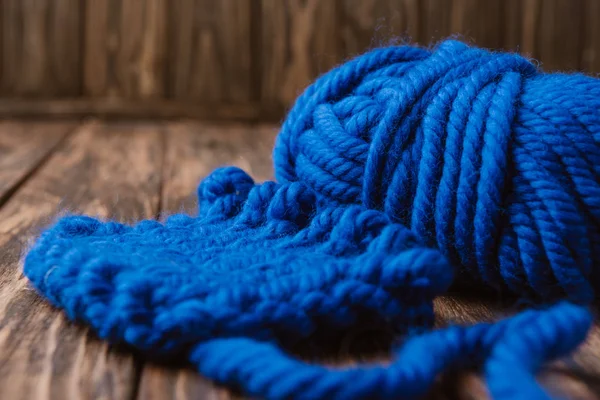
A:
(134, 170)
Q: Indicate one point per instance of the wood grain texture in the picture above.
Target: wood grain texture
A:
(105, 172)
(299, 41)
(40, 47)
(210, 50)
(435, 21)
(560, 40)
(252, 54)
(125, 48)
(557, 33)
(591, 51)
(373, 23)
(513, 15)
(192, 152)
(19, 157)
(160, 382)
(479, 22)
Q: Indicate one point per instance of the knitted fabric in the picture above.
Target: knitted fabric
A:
(397, 170)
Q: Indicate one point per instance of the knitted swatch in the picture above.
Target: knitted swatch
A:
(493, 166)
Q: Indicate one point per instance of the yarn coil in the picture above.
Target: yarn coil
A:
(478, 153)
(397, 171)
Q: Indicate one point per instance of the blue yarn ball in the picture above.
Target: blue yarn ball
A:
(481, 154)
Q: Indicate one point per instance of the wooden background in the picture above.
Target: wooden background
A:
(247, 59)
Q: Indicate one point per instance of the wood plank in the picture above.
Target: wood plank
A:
(128, 108)
(125, 48)
(560, 37)
(159, 383)
(210, 58)
(591, 53)
(478, 22)
(193, 151)
(23, 147)
(108, 171)
(435, 22)
(538, 29)
(40, 47)
(513, 15)
(473, 21)
(299, 41)
(374, 23)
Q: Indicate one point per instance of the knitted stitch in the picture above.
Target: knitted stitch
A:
(492, 164)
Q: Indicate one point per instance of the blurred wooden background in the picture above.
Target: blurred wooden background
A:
(247, 59)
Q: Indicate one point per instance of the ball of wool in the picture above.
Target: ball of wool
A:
(482, 155)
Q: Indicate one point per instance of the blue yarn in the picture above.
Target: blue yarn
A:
(397, 171)
(482, 156)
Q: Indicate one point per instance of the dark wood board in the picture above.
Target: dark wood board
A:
(248, 59)
(19, 158)
(192, 151)
(125, 49)
(210, 51)
(119, 108)
(40, 48)
(134, 170)
(112, 174)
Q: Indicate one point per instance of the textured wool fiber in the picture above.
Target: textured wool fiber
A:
(399, 172)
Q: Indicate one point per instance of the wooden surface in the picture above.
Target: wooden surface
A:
(40, 47)
(226, 57)
(134, 170)
(117, 108)
(125, 48)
